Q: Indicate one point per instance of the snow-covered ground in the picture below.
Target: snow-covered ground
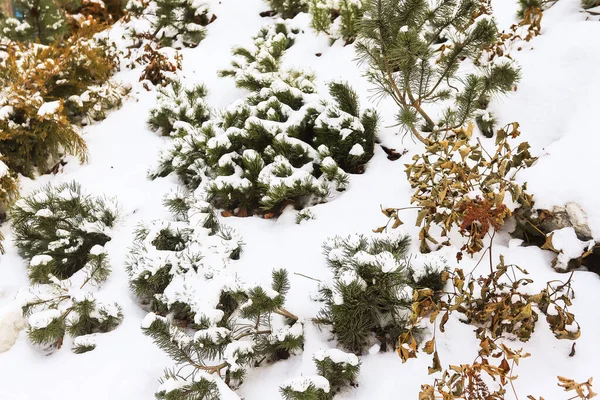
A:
(556, 104)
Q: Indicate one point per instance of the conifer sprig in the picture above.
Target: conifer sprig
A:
(414, 51)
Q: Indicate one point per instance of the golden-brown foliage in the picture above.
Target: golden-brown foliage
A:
(459, 184)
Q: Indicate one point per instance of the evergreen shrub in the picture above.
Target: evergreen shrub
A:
(283, 144)
(369, 298)
(56, 227)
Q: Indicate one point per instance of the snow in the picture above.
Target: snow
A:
(148, 320)
(86, 340)
(42, 319)
(11, 323)
(555, 104)
(97, 250)
(337, 356)
(44, 213)
(566, 242)
(48, 108)
(357, 150)
(42, 259)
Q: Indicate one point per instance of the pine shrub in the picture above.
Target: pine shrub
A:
(167, 254)
(243, 334)
(283, 144)
(338, 19)
(58, 308)
(56, 227)
(311, 387)
(415, 51)
(173, 23)
(339, 368)
(288, 8)
(256, 67)
(42, 21)
(370, 295)
(179, 104)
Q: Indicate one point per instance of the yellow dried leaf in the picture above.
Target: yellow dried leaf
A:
(429, 347)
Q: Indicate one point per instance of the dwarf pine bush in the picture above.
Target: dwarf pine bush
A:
(337, 370)
(243, 334)
(173, 23)
(282, 144)
(181, 105)
(370, 294)
(310, 387)
(587, 4)
(338, 19)
(288, 8)
(169, 253)
(210, 323)
(58, 308)
(42, 21)
(56, 227)
(414, 50)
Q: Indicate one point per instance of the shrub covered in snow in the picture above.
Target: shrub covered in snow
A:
(45, 89)
(369, 298)
(241, 332)
(44, 21)
(173, 23)
(202, 315)
(310, 387)
(57, 228)
(415, 49)
(60, 307)
(339, 368)
(338, 19)
(288, 8)
(171, 258)
(181, 105)
(282, 144)
(255, 67)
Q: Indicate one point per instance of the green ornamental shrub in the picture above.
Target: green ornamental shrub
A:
(310, 387)
(42, 21)
(339, 368)
(178, 104)
(368, 299)
(338, 19)
(56, 227)
(282, 144)
(288, 8)
(165, 252)
(173, 23)
(61, 308)
(587, 4)
(414, 50)
(243, 335)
